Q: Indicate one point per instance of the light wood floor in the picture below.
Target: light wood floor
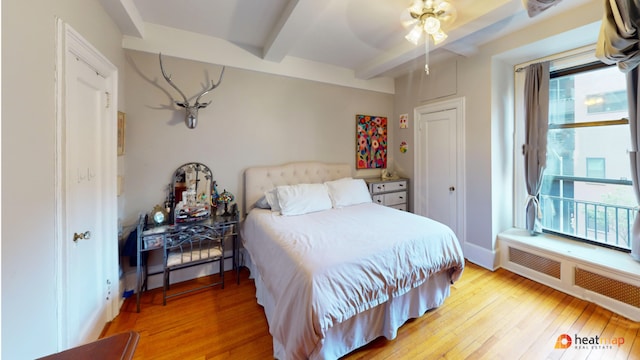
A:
(489, 315)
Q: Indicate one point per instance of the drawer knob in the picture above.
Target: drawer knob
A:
(451, 188)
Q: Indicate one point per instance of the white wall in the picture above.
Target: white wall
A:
(29, 319)
(254, 119)
(486, 82)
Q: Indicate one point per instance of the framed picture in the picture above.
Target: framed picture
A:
(404, 121)
(371, 142)
(121, 127)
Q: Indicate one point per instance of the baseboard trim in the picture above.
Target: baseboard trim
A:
(480, 256)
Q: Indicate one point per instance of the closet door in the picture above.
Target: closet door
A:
(439, 185)
(86, 204)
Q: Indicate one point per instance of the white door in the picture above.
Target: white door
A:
(87, 205)
(86, 110)
(439, 185)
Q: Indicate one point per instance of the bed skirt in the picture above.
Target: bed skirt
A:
(382, 320)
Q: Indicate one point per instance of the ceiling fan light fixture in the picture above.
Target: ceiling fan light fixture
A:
(431, 25)
(414, 35)
(428, 16)
(446, 12)
(416, 6)
(439, 37)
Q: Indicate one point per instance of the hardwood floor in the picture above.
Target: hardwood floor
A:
(489, 315)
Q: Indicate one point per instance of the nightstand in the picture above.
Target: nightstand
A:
(392, 193)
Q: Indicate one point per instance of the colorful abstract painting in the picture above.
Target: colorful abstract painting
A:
(371, 142)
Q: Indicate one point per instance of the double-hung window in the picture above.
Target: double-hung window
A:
(586, 191)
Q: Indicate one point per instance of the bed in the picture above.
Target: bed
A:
(331, 278)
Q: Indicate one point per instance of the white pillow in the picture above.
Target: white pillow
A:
(262, 203)
(347, 192)
(303, 198)
(272, 199)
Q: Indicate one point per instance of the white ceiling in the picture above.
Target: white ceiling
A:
(363, 36)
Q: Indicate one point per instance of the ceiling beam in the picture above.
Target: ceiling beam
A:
(187, 45)
(296, 18)
(461, 48)
(389, 60)
(126, 16)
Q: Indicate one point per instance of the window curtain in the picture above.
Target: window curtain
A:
(536, 107)
(535, 7)
(618, 43)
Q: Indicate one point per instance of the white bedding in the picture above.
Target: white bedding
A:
(323, 268)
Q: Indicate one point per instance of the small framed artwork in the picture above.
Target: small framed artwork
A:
(371, 142)
(121, 127)
(404, 121)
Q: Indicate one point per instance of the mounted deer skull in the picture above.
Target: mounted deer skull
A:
(191, 116)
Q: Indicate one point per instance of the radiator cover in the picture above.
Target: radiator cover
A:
(535, 262)
(615, 289)
(608, 278)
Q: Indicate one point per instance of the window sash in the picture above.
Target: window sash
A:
(623, 121)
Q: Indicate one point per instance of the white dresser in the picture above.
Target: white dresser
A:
(392, 193)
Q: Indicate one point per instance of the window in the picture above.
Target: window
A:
(607, 102)
(588, 128)
(595, 168)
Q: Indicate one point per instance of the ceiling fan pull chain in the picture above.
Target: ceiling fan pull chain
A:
(426, 54)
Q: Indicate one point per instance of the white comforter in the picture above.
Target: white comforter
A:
(325, 267)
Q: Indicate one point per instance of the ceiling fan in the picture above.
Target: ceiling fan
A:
(427, 16)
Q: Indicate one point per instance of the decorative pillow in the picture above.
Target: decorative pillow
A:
(272, 199)
(262, 203)
(347, 192)
(303, 198)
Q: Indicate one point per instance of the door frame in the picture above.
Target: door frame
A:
(70, 43)
(418, 183)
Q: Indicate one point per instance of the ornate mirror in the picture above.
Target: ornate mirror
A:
(191, 186)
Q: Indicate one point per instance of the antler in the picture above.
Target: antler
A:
(191, 114)
(213, 86)
(168, 78)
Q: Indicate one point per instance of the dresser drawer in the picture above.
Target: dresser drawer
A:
(387, 186)
(395, 198)
(390, 198)
(392, 193)
(402, 207)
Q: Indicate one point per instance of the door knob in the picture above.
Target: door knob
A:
(82, 236)
(451, 188)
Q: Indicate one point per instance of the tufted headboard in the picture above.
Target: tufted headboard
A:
(259, 179)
